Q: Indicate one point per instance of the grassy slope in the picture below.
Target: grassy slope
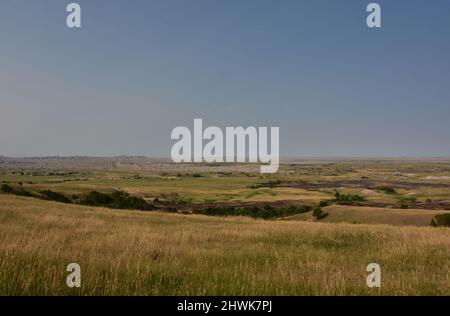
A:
(373, 215)
(125, 252)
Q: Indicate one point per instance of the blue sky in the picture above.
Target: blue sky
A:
(137, 69)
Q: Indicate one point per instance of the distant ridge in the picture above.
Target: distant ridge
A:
(163, 164)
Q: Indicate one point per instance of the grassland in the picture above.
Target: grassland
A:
(153, 253)
(373, 215)
(310, 182)
(128, 252)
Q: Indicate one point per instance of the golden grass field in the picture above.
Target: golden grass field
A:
(153, 253)
(373, 215)
(172, 251)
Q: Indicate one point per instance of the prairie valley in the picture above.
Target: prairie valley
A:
(142, 226)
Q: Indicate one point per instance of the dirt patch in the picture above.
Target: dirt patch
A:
(370, 192)
(437, 178)
(362, 184)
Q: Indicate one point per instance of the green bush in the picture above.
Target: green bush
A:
(16, 191)
(318, 213)
(270, 184)
(22, 192)
(55, 196)
(387, 190)
(265, 212)
(6, 188)
(116, 199)
(95, 198)
(325, 203)
(442, 220)
(347, 199)
(407, 201)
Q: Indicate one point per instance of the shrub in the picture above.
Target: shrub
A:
(442, 220)
(17, 191)
(325, 203)
(116, 199)
(22, 192)
(6, 188)
(95, 198)
(387, 190)
(270, 184)
(55, 196)
(318, 213)
(406, 201)
(265, 212)
(347, 199)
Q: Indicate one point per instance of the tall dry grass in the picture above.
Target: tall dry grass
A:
(136, 253)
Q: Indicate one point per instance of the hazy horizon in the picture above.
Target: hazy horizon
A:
(355, 157)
